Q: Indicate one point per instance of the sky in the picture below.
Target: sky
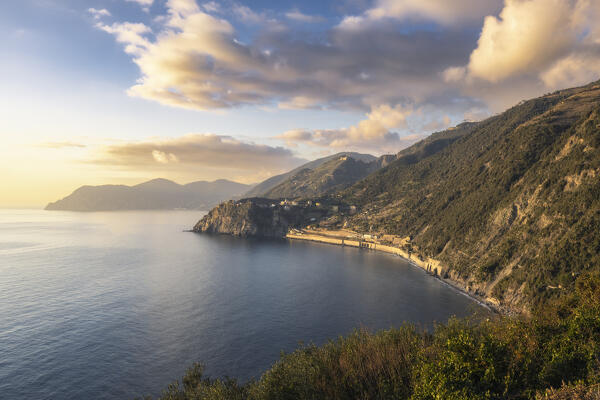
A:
(123, 91)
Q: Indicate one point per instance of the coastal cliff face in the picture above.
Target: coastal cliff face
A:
(250, 217)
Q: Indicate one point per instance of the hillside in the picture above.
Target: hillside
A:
(335, 174)
(511, 207)
(154, 194)
(268, 185)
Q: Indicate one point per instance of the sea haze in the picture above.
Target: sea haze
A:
(119, 304)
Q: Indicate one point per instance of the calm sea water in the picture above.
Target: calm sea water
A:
(117, 305)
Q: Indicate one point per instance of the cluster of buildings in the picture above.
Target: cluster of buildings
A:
(332, 207)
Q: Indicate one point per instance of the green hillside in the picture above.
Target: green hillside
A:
(511, 206)
(265, 186)
(335, 174)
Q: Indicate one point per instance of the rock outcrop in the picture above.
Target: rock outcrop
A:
(252, 217)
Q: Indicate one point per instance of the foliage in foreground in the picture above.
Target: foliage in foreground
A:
(553, 355)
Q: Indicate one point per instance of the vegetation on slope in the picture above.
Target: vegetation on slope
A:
(552, 355)
(265, 186)
(511, 206)
(335, 174)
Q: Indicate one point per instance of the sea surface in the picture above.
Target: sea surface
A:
(114, 305)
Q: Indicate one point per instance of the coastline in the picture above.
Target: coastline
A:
(429, 265)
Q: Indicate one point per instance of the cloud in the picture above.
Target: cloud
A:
(543, 38)
(438, 125)
(528, 35)
(246, 14)
(426, 53)
(97, 14)
(189, 152)
(301, 103)
(195, 61)
(211, 6)
(530, 48)
(440, 11)
(144, 3)
(297, 15)
(575, 69)
(164, 158)
(374, 132)
(132, 34)
(294, 136)
(61, 145)
(454, 74)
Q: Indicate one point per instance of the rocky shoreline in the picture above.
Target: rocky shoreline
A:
(260, 217)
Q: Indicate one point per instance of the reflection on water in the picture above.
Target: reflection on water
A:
(106, 305)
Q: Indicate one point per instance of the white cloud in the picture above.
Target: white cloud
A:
(212, 6)
(543, 38)
(164, 158)
(182, 8)
(576, 69)
(454, 74)
(132, 34)
(195, 61)
(61, 145)
(527, 36)
(301, 103)
(144, 3)
(374, 132)
(196, 149)
(191, 155)
(247, 15)
(440, 11)
(297, 15)
(99, 13)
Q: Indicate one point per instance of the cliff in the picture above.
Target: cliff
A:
(256, 217)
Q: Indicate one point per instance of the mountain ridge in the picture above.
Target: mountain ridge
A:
(269, 184)
(157, 193)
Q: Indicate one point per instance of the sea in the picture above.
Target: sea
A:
(117, 305)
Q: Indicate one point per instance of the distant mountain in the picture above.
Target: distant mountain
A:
(154, 194)
(266, 185)
(319, 176)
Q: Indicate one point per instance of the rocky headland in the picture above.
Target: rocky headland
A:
(258, 217)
